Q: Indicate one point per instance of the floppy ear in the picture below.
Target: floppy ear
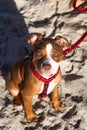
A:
(35, 38)
(62, 41)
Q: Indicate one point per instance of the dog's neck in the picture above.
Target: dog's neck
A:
(47, 76)
(45, 80)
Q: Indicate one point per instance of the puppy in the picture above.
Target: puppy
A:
(39, 75)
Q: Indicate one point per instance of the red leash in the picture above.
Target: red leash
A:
(73, 46)
(82, 10)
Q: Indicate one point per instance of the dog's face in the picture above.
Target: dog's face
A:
(48, 54)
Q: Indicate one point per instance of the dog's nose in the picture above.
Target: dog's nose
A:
(46, 66)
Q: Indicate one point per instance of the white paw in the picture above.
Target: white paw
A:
(19, 108)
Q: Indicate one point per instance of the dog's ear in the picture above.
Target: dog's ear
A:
(35, 38)
(62, 41)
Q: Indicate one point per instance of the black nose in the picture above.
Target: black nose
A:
(46, 64)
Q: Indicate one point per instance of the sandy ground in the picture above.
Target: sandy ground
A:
(19, 18)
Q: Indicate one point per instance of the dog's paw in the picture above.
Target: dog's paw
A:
(58, 105)
(19, 108)
(32, 118)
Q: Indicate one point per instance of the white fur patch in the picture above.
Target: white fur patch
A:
(51, 86)
(54, 69)
(19, 108)
(49, 59)
(48, 49)
(14, 92)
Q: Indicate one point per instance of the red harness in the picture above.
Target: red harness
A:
(41, 78)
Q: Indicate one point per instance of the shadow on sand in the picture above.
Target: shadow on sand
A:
(13, 35)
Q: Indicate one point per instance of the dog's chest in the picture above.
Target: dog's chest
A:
(51, 86)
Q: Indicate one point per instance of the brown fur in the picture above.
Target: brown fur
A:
(24, 89)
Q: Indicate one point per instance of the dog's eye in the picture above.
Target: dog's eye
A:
(55, 54)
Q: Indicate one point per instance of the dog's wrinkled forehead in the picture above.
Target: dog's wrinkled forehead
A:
(48, 45)
(48, 48)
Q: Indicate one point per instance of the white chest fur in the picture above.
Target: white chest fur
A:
(51, 86)
(54, 69)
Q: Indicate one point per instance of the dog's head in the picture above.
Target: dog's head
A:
(47, 52)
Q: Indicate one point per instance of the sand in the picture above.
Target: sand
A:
(19, 18)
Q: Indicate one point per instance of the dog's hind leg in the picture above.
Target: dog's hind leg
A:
(13, 88)
(14, 92)
(11, 85)
(17, 102)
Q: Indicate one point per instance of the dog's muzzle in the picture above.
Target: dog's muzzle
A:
(46, 66)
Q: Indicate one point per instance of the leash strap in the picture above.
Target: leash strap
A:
(44, 93)
(73, 46)
(81, 10)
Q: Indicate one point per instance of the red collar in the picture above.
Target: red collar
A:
(41, 78)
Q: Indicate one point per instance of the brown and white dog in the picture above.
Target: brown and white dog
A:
(39, 75)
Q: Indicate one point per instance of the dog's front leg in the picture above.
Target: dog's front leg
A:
(27, 102)
(58, 105)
